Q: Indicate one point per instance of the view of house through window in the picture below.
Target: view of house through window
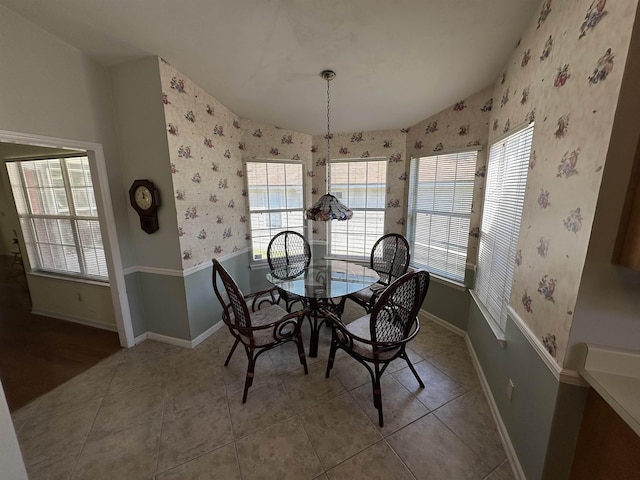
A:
(275, 202)
(361, 185)
(507, 171)
(56, 205)
(439, 210)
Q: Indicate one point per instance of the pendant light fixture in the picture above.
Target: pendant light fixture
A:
(328, 207)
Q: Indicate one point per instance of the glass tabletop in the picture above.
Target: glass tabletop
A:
(323, 279)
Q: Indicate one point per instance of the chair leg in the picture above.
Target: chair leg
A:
(377, 396)
(233, 349)
(415, 374)
(299, 344)
(332, 355)
(249, 380)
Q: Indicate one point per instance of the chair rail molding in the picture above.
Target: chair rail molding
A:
(564, 375)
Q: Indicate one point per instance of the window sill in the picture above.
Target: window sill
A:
(497, 331)
(69, 278)
(259, 266)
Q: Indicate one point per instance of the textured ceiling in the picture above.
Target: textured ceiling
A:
(397, 61)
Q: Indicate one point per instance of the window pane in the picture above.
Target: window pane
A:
(55, 239)
(275, 202)
(507, 171)
(440, 198)
(361, 185)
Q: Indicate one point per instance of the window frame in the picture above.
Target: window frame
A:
(32, 242)
(273, 230)
(413, 210)
(495, 301)
(366, 254)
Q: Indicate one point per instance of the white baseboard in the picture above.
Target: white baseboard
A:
(75, 319)
(518, 473)
(179, 342)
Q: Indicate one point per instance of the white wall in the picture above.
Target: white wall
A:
(142, 134)
(49, 88)
(10, 455)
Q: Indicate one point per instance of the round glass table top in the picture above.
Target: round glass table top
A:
(323, 278)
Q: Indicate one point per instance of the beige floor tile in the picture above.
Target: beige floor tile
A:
(138, 373)
(503, 472)
(456, 363)
(378, 462)
(192, 379)
(399, 406)
(286, 358)
(438, 387)
(279, 452)
(221, 464)
(309, 390)
(400, 363)
(434, 339)
(149, 350)
(55, 467)
(432, 451)
(90, 384)
(49, 435)
(189, 433)
(350, 372)
(20, 416)
(470, 418)
(125, 409)
(266, 404)
(130, 453)
(338, 429)
(235, 373)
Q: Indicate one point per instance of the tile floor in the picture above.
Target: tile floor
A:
(161, 412)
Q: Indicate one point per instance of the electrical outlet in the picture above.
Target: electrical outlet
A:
(510, 387)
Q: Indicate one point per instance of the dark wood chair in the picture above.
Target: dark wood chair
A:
(376, 339)
(257, 329)
(390, 259)
(290, 253)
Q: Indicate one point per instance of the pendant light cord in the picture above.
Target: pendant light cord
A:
(328, 138)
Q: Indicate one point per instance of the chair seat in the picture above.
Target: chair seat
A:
(264, 316)
(366, 294)
(361, 328)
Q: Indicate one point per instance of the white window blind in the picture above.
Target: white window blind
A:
(504, 197)
(275, 202)
(58, 215)
(361, 185)
(439, 210)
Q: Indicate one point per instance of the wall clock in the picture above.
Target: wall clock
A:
(145, 200)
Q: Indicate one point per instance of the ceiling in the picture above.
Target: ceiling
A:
(397, 61)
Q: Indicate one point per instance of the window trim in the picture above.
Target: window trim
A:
(35, 263)
(253, 264)
(367, 257)
(411, 218)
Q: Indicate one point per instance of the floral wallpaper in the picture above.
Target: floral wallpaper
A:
(389, 144)
(565, 75)
(263, 142)
(206, 167)
(463, 124)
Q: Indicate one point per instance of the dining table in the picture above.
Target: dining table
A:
(322, 284)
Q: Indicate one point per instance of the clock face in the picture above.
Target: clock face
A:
(143, 197)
